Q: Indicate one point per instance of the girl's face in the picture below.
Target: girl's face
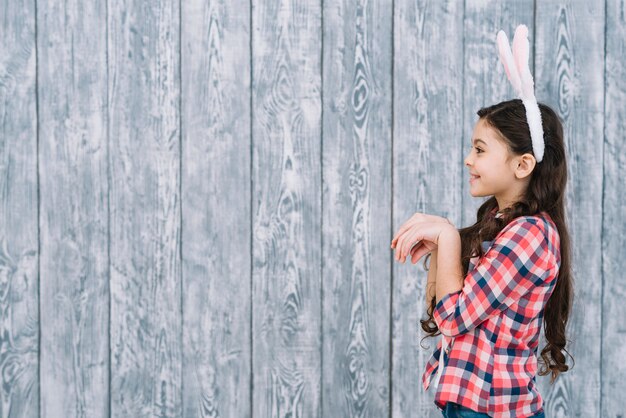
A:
(499, 173)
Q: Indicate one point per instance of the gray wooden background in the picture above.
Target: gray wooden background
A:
(198, 198)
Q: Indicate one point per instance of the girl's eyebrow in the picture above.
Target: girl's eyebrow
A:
(479, 140)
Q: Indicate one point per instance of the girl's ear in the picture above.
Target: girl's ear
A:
(525, 165)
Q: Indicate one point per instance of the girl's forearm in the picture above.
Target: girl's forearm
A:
(449, 274)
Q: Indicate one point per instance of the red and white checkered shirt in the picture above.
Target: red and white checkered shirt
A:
(492, 325)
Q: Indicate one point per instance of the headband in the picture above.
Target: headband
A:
(517, 70)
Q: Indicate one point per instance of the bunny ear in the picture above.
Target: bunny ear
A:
(520, 55)
(506, 57)
(516, 67)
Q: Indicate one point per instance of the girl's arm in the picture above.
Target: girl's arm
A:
(450, 275)
(520, 259)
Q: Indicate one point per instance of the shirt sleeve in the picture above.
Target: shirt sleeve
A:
(519, 259)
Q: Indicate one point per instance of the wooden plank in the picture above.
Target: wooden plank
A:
(426, 173)
(613, 349)
(216, 208)
(145, 229)
(569, 54)
(19, 234)
(485, 79)
(73, 158)
(356, 209)
(286, 177)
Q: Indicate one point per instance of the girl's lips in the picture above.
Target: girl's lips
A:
(472, 178)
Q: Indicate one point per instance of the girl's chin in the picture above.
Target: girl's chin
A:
(475, 193)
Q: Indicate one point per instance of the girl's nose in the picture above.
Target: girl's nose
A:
(467, 161)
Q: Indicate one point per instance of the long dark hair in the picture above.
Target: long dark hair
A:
(545, 192)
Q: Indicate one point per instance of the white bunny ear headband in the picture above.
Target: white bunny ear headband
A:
(518, 72)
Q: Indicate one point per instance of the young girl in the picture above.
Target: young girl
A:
(491, 284)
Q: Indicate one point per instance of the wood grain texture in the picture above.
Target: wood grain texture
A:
(426, 172)
(485, 81)
(73, 209)
(613, 368)
(145, 224)
(214, 191)
(569, 45)
(19, 234)
(286, 207)
(216, 186)
(356, 208)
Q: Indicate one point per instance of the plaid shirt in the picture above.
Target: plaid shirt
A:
(492, 325)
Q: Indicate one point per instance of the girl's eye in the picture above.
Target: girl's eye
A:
(478, 150)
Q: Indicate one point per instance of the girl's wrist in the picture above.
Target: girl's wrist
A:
(447, 236)
(449, 244)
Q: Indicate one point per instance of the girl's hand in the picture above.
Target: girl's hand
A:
(418, 236)
(416, 218)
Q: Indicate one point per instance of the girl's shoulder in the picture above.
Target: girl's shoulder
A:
(522, 227)
(528, 224)
(541, 219)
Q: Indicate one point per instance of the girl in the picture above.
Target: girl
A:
(491, 284)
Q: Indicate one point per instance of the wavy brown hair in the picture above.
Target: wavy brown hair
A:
(545, 192)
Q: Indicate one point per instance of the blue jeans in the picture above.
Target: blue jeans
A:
(454, 410)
